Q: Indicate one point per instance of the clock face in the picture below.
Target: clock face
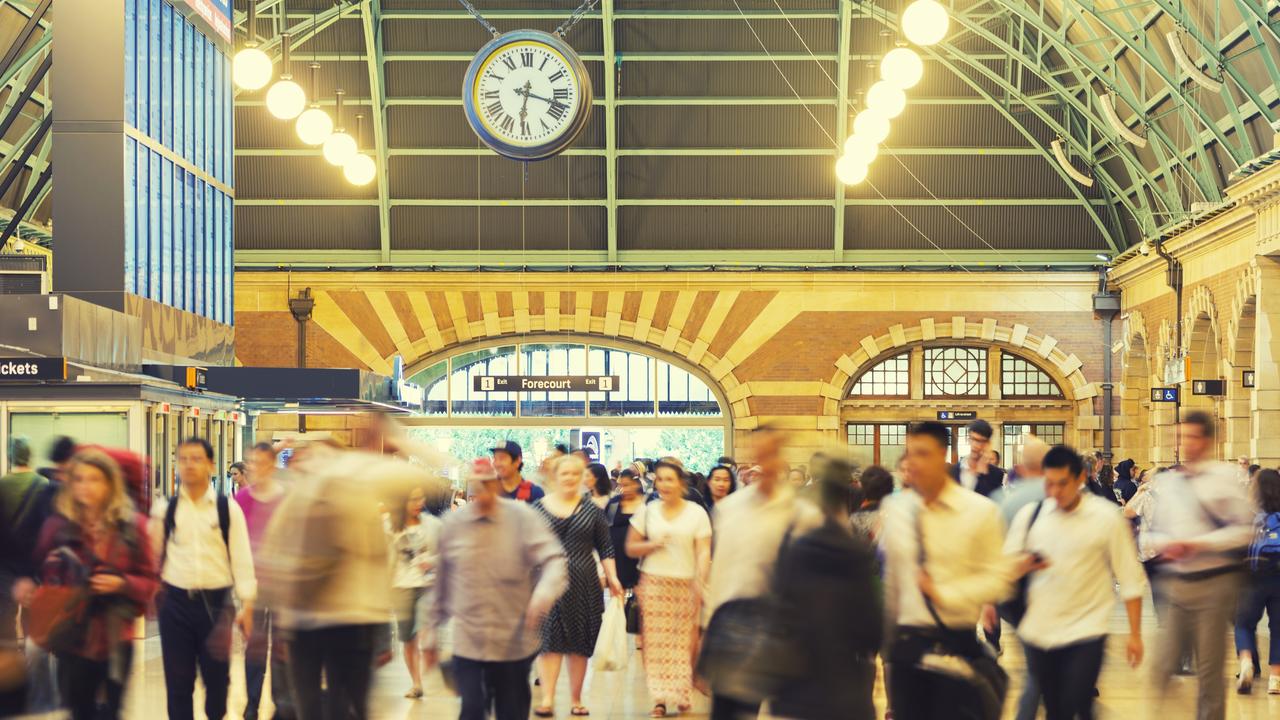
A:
(527, 95)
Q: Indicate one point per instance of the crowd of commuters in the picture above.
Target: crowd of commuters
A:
(765, 586)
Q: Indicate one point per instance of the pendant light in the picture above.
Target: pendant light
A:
(360, 169)
(314, 125)
(887, 99)
(251, 68)
(285, 99)
(850, 171)
(925, 22)
(339, 146)
(872, 125)
(861, 149)
(902, 67)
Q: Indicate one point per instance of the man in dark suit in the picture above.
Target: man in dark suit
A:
(978, 472)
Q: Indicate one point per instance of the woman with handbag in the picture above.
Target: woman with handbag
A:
(621, 508)
(672, 537)
(94, 534)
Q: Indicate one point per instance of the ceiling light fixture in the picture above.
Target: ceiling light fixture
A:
(339, 146)
(1061, 156)
(925, 22)
(850, 171)
(1189, 66)
(360, 169)
(861, 149)
(872, 125)
(251, 68)
(887, 99)
(1108, 102)
(286, 99)
(314, 125)
(902, 67)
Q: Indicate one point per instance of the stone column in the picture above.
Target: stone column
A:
(1265, 405)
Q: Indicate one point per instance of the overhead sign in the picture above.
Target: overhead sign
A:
(1175, 370)
(957, 415)
(591, 444)
(1208, 387)
(197, 378)
(1247, 378)
(1164, 395)
(545, 383)
(217, 13)
(29, 369)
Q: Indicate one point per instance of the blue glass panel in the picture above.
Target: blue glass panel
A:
(215, 252)
(229, 112)
(153, 102)
(188, 93)
(189, 241)
(179, 82)
(181, 281)
(198, 257)
(229, 213)
(154, 236)
(142, 68)
(165, 134)
(199, 109)
(130, 238)
(144, 214)
(130, 60)
(166, 231)
(211, 107)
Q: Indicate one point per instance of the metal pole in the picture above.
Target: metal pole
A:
(1173, 276)
(1106, 305)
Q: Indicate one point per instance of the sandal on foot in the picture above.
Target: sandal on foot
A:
(579, 711)
(414, 693)
(659, 710)
(544, 712)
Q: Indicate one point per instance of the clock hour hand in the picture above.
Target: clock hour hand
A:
(527, 94)
(524, 107)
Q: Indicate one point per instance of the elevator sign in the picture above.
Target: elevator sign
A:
(545, 383)
(1168, 395)
(32, 369)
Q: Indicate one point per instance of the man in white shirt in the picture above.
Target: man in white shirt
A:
(1086, 547)
(1202, 525)
(934, 595)
(199, 570)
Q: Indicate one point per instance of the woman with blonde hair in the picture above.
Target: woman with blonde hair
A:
(573, 624)
(96, 538)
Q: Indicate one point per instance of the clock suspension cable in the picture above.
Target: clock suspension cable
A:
(586, 7)
(479, 18)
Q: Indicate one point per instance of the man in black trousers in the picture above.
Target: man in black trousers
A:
(203, 545)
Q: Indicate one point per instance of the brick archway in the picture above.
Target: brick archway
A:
(1135, 393)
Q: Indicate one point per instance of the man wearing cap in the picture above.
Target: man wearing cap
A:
(508, 462)
(500, 571)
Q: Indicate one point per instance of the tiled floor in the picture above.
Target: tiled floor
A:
(1124, 692)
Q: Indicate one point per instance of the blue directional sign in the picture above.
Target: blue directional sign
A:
(1168, 395)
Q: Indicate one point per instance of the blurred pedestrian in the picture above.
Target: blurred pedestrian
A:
(672, 539)
(1126, 482)
(1086, 549)
(572, 626)
(1263, 591)
(501, 571)
(599, 484)
(508, 462)
(97, 535)
(829, 604)
(415, 545)
(61, 450)
(720, 484)
(944, 560)
(259, 501)
(205, 558)
(237, 477)
(877, 484)
(1203, 523)
(750, 527)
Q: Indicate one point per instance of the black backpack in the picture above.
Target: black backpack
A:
(170, 522)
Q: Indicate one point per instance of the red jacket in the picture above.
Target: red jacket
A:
(130, 557)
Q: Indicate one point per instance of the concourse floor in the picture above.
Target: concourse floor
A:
(1124, 691)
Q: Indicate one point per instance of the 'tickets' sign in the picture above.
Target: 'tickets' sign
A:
(30, 369)
(545, 383)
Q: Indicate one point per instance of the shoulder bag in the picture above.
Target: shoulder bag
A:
(1012, 610)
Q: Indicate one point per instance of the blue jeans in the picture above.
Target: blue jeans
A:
(1262, 595)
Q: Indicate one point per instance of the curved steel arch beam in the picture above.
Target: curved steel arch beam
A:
(1209, 190)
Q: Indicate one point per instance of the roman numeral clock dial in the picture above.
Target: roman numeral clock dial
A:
(527, 95)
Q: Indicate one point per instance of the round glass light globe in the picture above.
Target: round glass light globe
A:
(251, 69)
(850, 171)
(925, 22)
(871, 125)
(887, 99)
(360, 169)
(286, 100)
(902, 67)
(339, 148)
(314, 126)
(861, 149)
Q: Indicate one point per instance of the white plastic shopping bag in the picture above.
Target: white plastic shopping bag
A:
(611, 645)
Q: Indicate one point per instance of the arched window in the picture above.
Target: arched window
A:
(890, 378)
(1020, 378)
(955, 372)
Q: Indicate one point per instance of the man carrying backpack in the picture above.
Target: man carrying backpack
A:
(204, 553)
(1263, 593)
(508, 461)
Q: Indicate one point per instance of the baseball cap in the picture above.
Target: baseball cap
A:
(510, 447)
(481, 469)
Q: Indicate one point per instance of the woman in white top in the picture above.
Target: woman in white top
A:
(415, 547)
(673, 539)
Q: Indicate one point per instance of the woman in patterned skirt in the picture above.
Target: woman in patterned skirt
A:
(573, 624)
(673, 536)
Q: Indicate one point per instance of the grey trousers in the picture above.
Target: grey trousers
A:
(1198, 617)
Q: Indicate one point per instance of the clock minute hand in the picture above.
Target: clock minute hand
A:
(528, 95)
(524, 107)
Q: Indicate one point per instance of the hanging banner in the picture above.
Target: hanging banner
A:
(545, 383)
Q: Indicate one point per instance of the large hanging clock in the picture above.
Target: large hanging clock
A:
(527, 95)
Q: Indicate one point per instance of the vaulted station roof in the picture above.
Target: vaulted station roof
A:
(717, 124)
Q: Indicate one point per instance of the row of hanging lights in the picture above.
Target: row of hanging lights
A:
(924, 23)
(252, 70)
